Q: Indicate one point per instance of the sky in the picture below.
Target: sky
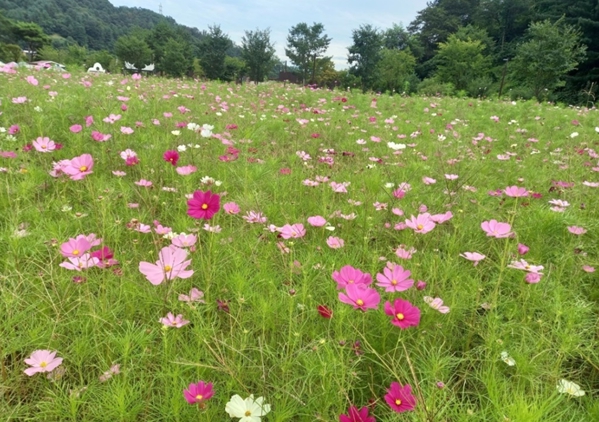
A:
(236, 16)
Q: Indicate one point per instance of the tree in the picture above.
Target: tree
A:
(133, 50)
(398, 38)
(306, 44)
(175, 62)
(395, 68)
(258, 52)
(365, 54)
(213, 50)
(460, 62)
(32, 34)
(552, 50)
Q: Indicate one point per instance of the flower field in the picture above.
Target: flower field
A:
(174, 250)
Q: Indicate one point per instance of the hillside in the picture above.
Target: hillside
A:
(95, 24)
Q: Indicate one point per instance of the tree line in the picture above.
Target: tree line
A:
(548, 49)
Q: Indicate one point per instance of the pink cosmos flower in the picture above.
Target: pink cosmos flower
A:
(339, 187)
(515, 191)
(398, 193)
(198, 393)
(231, 208)
(399, 398)
(254, 217)
(76, 128)
(496, 229)
(588, 269)
(184, 240)
(395, 279)
(119, 173)
(31, 80)
(19, 100)
(75, 247)
(428, 180)
(128, 153)
(360, 297)
(173, 321)
(126, 130)
(473, 256)
(44, 144)
(203, 205)
(105, 257)
(404, 313)
(349, 275)
(144, 183)
(79, 167)
(80, 263)
(442, 218)
(577, 230)
(334, 242)
(355, 415)
(112, 118)
(160, 229)
(421, 224)
(100, 137)
(143, 228)
(436, 303)
(171, 264)
(89, 120)
(186, 170)
(195, 295)
(451, 176)
(525, 266)
(533, 278)
(42, 361)
(171, 156)
(404, 253)
(14, 129)
(522, 249)
(317, 221)
(294, 231)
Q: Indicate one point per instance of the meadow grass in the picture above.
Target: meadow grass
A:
(269, 340)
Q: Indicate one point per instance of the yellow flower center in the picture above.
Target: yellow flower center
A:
(199, 397)
(400, 316)
(527, 267)
(43, 364)
(360, 302)
(248, 413)
(394, 282)
(350, 282)
(76, 252)
(204, 206)
(83, 168)
(44, 147)
(397, 402)
(419, 226)
(167, 268)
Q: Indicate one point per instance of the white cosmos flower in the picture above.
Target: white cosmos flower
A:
(181, 148)
(249, 410)
(564, 386)
(176, 132)
(395, 146)
(507, 359)
(193, 126)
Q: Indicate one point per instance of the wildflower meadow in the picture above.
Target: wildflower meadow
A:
(174, 250)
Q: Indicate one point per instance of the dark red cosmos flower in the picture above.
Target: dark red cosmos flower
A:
(203, 205)
(325, 311)
(171, 156)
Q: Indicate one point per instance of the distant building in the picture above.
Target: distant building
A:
(149, 68)
(96, 68)
(290, 77)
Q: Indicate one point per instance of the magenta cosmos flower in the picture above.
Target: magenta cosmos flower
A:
(404, 313)
(355, 415)
(203, 205)
(395, 279)
(171, 156)
(360, 297)
(79, 167)
(496, 229)
(198, 393)
(399, 398)
(42, 361)
(172, 264)
(350, 275)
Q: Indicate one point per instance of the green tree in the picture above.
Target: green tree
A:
(175, 62)
(234, 69)
(32, 35)
(398, 38)
(365, 54)
(395, 69)
(213, 51)
(551, 51)
(459, 62)
(133, 50)
(258, 53)
(306, 44)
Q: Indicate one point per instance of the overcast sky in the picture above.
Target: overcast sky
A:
(338, 17)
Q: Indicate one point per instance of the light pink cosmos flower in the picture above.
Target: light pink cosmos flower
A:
(515, 191)
(533, 278)
(442, 218)
(317, 221)
(143, 228)
(126, 130)
(128, 153)
(195, 295)
(588, 269)
(254, 217)
(428, 180)
(292, 231)
(473, 256)
(421, 224)
(231, 208)
(76, 128)
(31, 80)
(451, 176)
(44, 144)
(100, 137)
(350, 275)
(404, 253)
(80, 263)
(186, 170)
(395, 279)
(360, 297)
(143, 182)
(119, 173)
(184, 240)
(525, 266)
(112, 118)
(436, 303)
(496, 229)
(160, 229)
(59, 167)
(91, 238)
(19, 100)
(42, 361)
(335, 242)
(79, 167)
(171, 264)
(75, 247)
(339, 187)
(577, 230)
(173, 321)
